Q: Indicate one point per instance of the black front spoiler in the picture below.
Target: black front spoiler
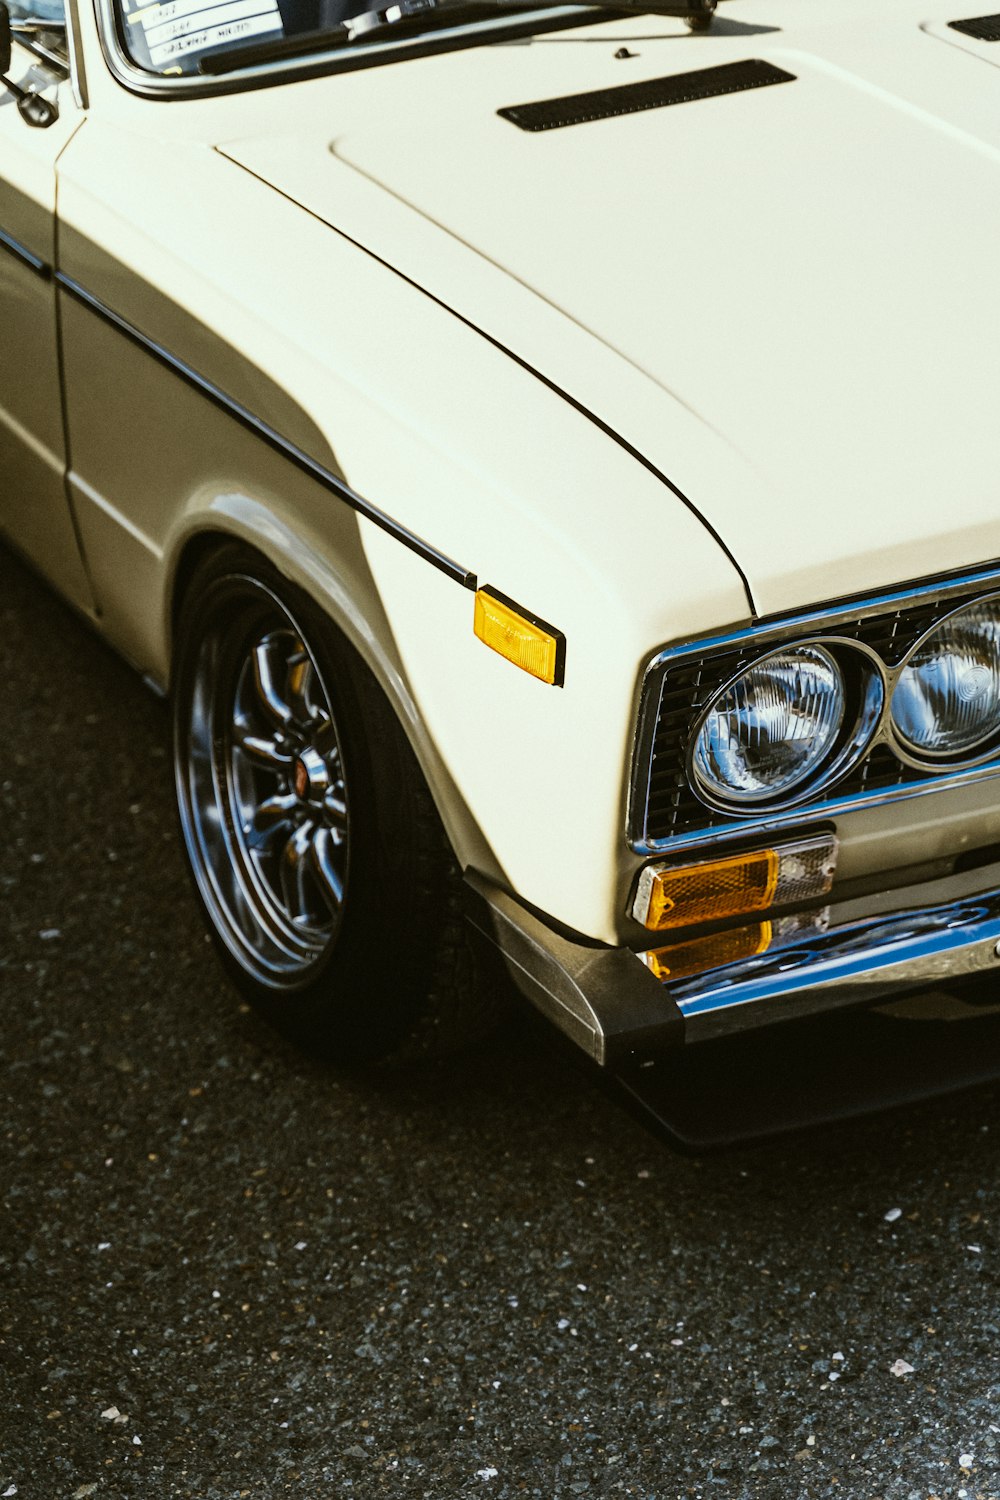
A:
(834, 1068)
(851, 1043)
(604, 999)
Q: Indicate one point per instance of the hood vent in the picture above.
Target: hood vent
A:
(655, 93)
(983, 28)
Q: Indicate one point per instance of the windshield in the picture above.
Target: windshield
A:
(173, 36)
(213, 37)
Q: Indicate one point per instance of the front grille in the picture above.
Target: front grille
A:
(682, 684)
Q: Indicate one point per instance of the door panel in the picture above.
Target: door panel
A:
(34, 510)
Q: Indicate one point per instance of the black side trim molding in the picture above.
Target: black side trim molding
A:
(22, 253)
(654, 93)
(273, 439)
(983, 28)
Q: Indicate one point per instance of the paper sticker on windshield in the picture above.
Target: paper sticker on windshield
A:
(175, 27)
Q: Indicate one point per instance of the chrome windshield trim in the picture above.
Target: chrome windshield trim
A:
(77, 71)
(333, 59)
(937, 933)
(815, 623)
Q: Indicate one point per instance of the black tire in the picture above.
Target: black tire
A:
(321, 866)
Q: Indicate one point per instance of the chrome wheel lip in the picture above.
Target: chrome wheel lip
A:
(272, 866)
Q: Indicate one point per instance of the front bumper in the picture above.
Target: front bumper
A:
(879, 948)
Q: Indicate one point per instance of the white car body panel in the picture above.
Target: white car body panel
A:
(390, 410)
(693, 241)
(659, 273)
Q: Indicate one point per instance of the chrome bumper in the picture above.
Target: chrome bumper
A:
(884, 946)
(915, 939)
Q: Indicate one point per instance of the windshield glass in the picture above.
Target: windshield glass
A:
(216, 37)
(173, 36)
(26, 11)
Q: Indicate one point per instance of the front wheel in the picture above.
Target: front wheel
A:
(317, 855)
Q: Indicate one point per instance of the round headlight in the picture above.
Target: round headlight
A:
(771, 729)
(947, 699)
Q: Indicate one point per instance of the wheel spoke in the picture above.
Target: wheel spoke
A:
(265, 681)
(273, 819)
(324, 738)
(294, 871)
(298, 683)
(324, 851)
(265, 752)
(277, 809)
(335, 811)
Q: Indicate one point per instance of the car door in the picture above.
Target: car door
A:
(34, 510)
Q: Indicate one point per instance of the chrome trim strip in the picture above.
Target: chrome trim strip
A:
(274, 439)
(817, 622)
(831, 614)
(812, 812)
(77, 71)
(22, 253)
(943, 931)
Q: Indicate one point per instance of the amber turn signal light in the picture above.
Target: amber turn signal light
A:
(735, 886)
(519, 636)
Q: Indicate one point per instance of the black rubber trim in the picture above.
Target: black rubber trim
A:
(23, 254)
(983, 28)
(273, 439)
(654, 93)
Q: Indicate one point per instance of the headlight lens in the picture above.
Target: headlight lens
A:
(947, 699)
(771, 729)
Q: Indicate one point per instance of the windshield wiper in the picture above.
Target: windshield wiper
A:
(406, 16)
(697, 13)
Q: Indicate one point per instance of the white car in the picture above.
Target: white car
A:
(551, 455)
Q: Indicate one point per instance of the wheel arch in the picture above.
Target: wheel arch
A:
(361, 621)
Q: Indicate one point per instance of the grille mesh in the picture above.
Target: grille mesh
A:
(654, 93)
(691, 681)
(983, 28)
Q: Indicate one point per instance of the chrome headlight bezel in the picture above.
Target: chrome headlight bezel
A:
(862, 683)
(981, 749)
(665, 813)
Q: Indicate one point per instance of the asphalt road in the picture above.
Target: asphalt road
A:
(228, 1272)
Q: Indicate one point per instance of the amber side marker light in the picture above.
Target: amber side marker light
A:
(521, 637)
(738, 885)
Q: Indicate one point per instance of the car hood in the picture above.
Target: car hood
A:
(781, 298)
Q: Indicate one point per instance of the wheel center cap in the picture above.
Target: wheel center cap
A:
(309, 776)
